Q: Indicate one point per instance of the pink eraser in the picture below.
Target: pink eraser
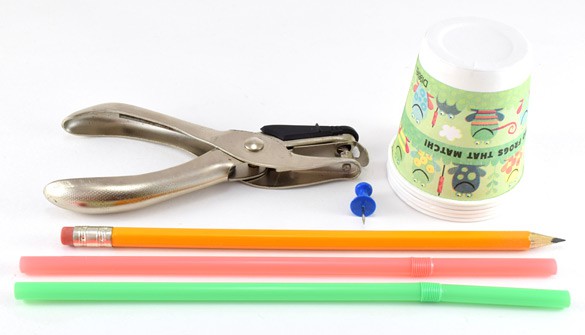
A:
(67, 235)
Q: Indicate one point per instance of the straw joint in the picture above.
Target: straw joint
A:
(431, 292)
(421, 266)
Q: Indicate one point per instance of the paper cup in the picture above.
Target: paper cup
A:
(459, 146)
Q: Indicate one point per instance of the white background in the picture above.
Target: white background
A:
(241, 65)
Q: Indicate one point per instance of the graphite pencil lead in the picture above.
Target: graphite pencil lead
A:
(539, 240)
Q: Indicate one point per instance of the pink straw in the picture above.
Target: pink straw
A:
(287, 266)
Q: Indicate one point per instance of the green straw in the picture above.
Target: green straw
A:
(290, 292)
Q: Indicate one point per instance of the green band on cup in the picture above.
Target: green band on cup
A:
(458, 144)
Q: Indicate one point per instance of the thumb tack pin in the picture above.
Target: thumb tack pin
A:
(363, 205)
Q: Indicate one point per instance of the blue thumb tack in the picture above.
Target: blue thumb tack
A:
(363, 205)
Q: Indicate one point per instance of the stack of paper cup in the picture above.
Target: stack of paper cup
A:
(459, 147)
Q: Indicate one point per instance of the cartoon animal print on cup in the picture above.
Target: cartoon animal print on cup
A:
(511, 168)
(423, 168)
(421, 104)
(466, 179)
(444, 109)
(401, 147)
(485, 123)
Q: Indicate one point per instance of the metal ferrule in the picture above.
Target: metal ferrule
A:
(87, 236)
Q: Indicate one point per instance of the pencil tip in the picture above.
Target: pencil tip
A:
(557, 240)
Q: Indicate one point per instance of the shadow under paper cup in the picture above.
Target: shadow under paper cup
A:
(460, 144)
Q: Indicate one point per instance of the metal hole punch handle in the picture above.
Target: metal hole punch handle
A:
(311, 155)
(117, 194)
(117, 119)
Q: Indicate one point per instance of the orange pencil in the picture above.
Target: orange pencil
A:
(86, 236)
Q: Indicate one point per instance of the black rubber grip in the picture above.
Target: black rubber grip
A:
(292, 132)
